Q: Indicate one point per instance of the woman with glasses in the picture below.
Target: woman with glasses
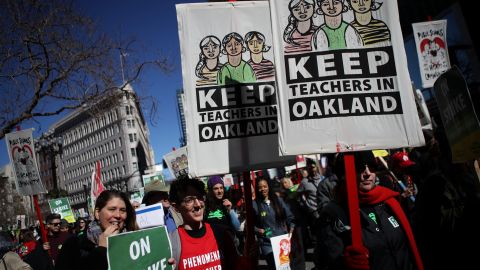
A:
(388, 241)
(113, 214)
(196, 237)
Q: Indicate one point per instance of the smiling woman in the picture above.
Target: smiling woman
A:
(114, 214)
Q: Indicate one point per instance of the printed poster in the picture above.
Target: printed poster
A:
(21, 151)
(459, 119)
(281, 246)
(432, 50)
(177, 161)
(229, 84)
(342, 77)
(62, 207)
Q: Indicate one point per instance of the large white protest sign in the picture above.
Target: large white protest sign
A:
(342, 78)
(21, 150)
(229, 83)
(432, 50)
(177, 162)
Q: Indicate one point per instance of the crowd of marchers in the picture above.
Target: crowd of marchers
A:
(417, 210)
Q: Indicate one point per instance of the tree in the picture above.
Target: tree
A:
(54, 59)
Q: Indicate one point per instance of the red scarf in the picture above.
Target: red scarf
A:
(381, 194)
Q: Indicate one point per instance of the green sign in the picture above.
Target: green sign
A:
(137, 196)
(458, 115)
(62, 206)
(143, 250)
(151, 177)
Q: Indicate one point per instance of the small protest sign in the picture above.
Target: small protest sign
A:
(458, 115)
(143, 249)
(21, 150)
(150, 216)
(281, 251)
(62, 207)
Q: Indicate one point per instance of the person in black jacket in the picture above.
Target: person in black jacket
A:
(388, 241)
(218, 208)
(113, 214)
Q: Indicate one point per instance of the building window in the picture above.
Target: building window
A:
(132, 150)
(135, 136)
(135, 165)
(133, 123)
(130, 136)
(127, 109)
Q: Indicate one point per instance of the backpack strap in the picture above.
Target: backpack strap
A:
(4, 264)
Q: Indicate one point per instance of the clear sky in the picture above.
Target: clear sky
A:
(153, 24)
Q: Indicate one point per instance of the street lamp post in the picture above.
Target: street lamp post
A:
(51, 146)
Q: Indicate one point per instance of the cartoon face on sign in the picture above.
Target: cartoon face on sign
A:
(23, 159)
(284, 251)
(433, 53)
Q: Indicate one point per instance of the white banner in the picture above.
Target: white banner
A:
(21, 151)
(343, 79)
(281, 246)
(432, 50)
(229, 83)
(177, 162)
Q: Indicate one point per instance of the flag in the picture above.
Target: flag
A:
(97, 185)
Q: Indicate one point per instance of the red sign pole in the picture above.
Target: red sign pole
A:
(39, 216)
(353, 206)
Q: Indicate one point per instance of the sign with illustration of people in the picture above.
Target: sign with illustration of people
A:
(177, 161)
(432, 50)
(229, 84)
(21, 151)
(62, 207)
(342, 77)
(458, 115)
(142, 249)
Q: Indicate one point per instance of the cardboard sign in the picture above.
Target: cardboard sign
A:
(229, 82)
(143, 249)
(281, 246)
(21, 151)
(458, 115)
(177, 161)
(62, 206)
(342, 90)
(150, 216)
(432, 50)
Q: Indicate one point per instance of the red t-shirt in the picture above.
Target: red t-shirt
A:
(199, 253)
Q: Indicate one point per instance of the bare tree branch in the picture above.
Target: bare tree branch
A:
(53, 59)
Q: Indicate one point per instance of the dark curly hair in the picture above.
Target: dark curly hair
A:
(178, 189)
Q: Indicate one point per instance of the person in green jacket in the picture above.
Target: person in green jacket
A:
(236, 70)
